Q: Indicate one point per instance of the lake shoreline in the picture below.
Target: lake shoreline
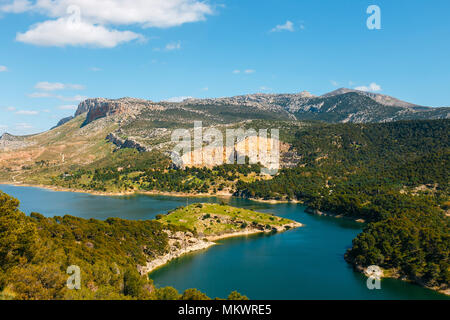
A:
(394, 274)
(205, 244)
(118, 194)
(150, 193)
(316, 212)
(313, 222)
(225, 195)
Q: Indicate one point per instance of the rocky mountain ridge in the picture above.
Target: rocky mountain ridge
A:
(100, 107)
(260, 100)
(342, 105)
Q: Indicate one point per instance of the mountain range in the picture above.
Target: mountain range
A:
(100, 126)
(342, 105)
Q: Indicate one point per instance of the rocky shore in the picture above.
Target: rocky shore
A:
(181, 243)
(394, 274)
(327, 214)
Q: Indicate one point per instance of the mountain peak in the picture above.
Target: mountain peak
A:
(339, 92)
(306, 94)
(6, 136)
(380, 98)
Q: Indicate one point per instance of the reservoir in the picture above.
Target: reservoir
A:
(305, 263)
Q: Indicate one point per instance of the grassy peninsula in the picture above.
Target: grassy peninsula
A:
(213, 220)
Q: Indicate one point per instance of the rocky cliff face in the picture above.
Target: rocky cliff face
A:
(210, 157)
(99, 107)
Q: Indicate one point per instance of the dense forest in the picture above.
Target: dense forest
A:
(394, 175)
(35, 253)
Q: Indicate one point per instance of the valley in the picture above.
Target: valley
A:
(351, 154)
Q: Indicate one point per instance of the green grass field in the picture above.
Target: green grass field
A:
(216, 219)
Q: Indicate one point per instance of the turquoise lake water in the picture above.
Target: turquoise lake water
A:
(306, 263)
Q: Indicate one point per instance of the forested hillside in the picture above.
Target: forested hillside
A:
(343, 165)
(394, 175)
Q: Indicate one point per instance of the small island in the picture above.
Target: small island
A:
(204, 223)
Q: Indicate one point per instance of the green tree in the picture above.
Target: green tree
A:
(194, 294)
(236, 296)
(18, 238)
(167, 293)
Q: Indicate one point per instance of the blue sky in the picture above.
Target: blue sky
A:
(161, 49)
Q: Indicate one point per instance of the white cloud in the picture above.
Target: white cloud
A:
(49, 86)
(10, 108)
(66, 32)
(247, 71)
(334, 83)
(95, 69)
(3, 69)
(177, 99)
(288, 26)
(75, 98)
(68, 107)
(52, 86)
(27, 112)
(23, 126)
(17, 6)
(91, 17)
(371, 87)
(147, 13)
(264, 88)
(173, 46)
(41, 95)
